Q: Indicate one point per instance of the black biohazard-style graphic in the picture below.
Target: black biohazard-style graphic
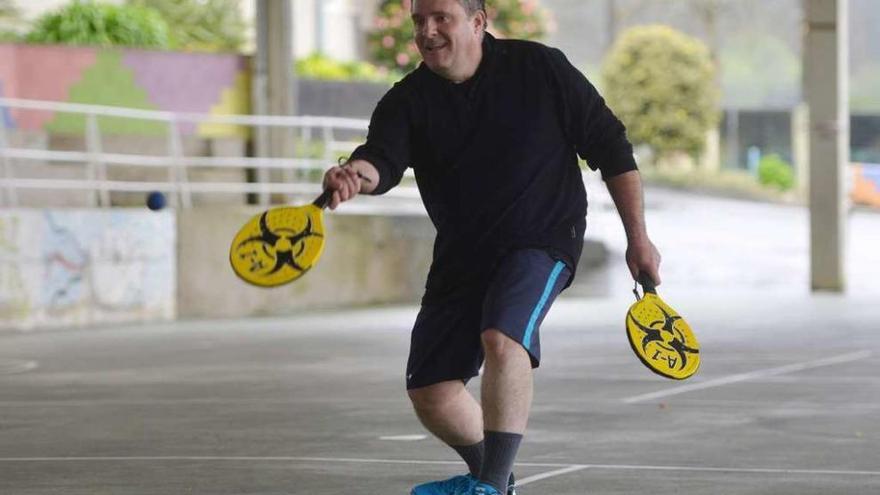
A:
(673, 341)
(283, 246)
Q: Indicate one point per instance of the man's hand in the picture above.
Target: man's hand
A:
(350, 179)
(344, 182)
(643, 257)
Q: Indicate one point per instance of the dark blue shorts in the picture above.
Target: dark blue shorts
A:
(445, 341)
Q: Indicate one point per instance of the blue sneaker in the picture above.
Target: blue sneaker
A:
(483, 489)
(457, 485)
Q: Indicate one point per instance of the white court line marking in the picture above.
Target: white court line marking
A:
(735, 470)
(252, 459)
(543, 476)
(631, 467)
(404, 438)
(727, 380)
(15, 366)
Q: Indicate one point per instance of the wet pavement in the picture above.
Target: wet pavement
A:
(786, 401)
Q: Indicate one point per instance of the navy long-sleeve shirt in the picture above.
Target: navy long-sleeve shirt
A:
(495, 157)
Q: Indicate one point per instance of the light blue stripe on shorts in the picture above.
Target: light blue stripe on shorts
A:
(536, 313)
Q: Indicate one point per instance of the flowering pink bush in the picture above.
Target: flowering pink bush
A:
(391, 42)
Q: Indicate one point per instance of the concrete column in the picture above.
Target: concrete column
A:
(826, 90)
(274, 87)
(800, 148)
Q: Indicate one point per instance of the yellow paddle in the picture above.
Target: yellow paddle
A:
(659, 336)
(281, 244)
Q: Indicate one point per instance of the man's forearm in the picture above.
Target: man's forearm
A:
(626, 191)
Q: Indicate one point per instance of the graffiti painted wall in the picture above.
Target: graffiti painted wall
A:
(151, 80)
(83, 267)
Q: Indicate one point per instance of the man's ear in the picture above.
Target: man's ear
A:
(481, 21)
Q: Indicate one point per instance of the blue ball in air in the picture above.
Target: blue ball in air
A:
(155, 201)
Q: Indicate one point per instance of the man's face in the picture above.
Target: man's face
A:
(448, 39)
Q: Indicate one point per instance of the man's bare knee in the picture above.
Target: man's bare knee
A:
(434, 397)
(498, 345)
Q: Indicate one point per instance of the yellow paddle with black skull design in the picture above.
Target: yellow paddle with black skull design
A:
(659, 336)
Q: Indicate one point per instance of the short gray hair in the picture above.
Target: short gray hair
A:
(473, 6)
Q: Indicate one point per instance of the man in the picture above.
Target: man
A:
(492, 129)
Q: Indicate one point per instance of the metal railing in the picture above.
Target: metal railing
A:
(326, 132)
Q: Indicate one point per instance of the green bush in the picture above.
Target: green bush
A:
(662, 85)
(775, 172)
(319, 66)
(391, 43)
(8, 36)
(201, 25)
(93, 23)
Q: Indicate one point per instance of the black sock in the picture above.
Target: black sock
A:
(500, 451)
(472, 455)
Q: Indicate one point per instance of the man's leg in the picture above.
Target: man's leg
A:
(524, 287)
(507, 383)
(506, 398)
(449, 411)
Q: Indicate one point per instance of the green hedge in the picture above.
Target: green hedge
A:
(662, 85)
(93, 23)
(318, 66)
(775, 172)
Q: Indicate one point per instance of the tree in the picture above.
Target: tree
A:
(92, 23)
(710, 13)
(391, 44)
(9, 12)
(10, 19)
(759, 70)
(661, 83)
(201, 25)
(616, 15)
(715, 17)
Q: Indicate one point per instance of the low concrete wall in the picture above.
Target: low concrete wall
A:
(368, 259)
(76, 267)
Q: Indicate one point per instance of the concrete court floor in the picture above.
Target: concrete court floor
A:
(787, 402)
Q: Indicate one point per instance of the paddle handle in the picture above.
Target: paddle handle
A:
(324, 199)
(647, 284)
